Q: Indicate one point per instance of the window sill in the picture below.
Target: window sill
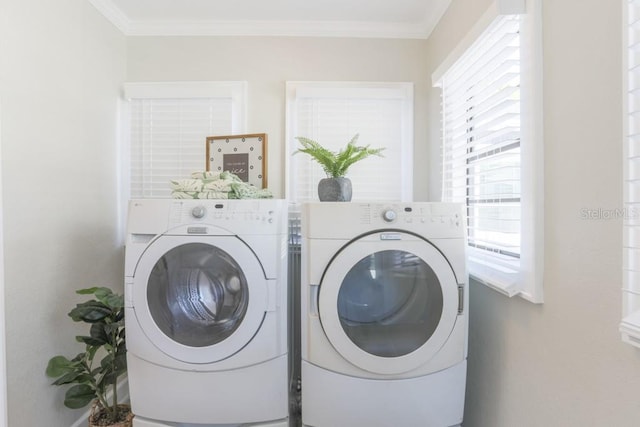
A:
(500, 278)
(630, 329)
(507, 289)
(507, 283)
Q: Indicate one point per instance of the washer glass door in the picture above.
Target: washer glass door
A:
(197, 294)
(199, 299)
(388, 306)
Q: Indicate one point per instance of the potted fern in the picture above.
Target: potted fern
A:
(106, 345)
(336, 187)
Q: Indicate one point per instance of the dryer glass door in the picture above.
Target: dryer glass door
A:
(199, 299)
(388, 305)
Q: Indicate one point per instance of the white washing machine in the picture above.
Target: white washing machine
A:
(384, 314)
(206, 312)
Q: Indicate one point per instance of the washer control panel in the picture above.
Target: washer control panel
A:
(221, 212)
(198, 212)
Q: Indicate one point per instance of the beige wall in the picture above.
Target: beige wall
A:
(267, 63)
(561, 363)
(61, 74)
(557, 364)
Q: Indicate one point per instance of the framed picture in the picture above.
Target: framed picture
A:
(242, 155)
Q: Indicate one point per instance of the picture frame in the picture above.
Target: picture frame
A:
(242, 155)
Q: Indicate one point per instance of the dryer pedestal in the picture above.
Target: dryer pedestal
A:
(435, 400)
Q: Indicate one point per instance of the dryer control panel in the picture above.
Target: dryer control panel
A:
(446, 220)
(408, 214)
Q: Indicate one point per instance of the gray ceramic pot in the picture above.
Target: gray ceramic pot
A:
(335, 189)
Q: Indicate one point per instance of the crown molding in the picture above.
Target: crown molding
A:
(277, 29)
(432, 18)
(113, 14)
(128, 27)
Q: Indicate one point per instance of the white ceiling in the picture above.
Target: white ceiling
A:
(324, 18)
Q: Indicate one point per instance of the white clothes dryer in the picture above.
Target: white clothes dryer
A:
(206, 312)
(383, 314)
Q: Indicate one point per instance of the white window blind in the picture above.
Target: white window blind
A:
(630, 325)
(169, 123)
(481, 107)
(332, 113)
(483, 99)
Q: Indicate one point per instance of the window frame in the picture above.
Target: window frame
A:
(349, 90)
(629, 326)
(528, 282)
(192, 90)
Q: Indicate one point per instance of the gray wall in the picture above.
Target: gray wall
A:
(61, 73)
(561, 363)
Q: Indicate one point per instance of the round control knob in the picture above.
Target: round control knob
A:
(389, 215)
(198, 212)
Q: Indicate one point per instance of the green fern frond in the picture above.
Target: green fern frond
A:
(323, 156)
(336, 164)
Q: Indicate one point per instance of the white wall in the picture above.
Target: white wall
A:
(267, 63)
(61, 72)
(561, 363)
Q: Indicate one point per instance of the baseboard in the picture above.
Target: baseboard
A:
(123, 392)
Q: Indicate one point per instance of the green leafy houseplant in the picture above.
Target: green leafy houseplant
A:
(336, 164)
(336, 187)
(105, 315)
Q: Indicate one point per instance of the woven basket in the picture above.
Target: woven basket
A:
(96, 409)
